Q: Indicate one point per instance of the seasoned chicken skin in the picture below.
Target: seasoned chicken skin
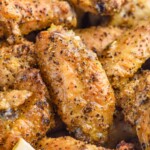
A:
(65, 143)
(135, 101)
(32, 118)
(126, 55)
(131, 13)
(98, 38)
(24, 110)
(13, 99)
(13, 59)
(77, 83)
(24, 16)
(68, 143)
(105, 7)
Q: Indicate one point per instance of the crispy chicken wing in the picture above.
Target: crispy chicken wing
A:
(105, 7)
(126, 55)
(29, 120)
(14, 58)
(98, 38)
(65, 143)
(68, 143)
(24, 110)
(77, 83)
(131, 13)
(24, 16)
(135, 101)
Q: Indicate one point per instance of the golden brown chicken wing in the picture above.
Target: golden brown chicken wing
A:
(13, 59)
(24, 16)
(135, 101)
(65, 143)
(98, 38)
(68, 143)
(105, 7)
(77, 83)
(32, 118)
(126, 55)
(132, 13)
(24, 110)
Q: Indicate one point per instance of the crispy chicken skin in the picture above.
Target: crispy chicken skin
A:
(98, 38)
(13, 59)
(105, 7)
(135, 101)
(126, 55)
(68, 143)
(24, 16)
(131, 13)
(32, 119)
(24, 110)
(77, 83)
(13, 99)
(65, 143)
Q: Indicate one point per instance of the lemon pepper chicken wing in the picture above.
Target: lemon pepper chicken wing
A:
(30, 120)
(24, 110)
(65, 143)
(135, 101)
(131, 13)
(68, 143)
(24, 16)
(106, 7)
(126, 55)
(14, 58)
(98, 38)
(77, 83)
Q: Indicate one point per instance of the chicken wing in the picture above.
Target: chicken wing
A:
(77, 83)
(105, 7)
(14, 58)
(24, 110)
(135, 101)
(98, 38)
(131, 13)
(65, 143)
(32, 118)
(126, 55)
(23, 16)
(68, 143)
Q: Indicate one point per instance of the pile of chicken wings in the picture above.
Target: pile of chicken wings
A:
(75, 74)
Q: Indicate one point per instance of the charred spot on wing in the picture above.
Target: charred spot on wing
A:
(101, 7)
(46, 121)
(8, 114)
(42, 104)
